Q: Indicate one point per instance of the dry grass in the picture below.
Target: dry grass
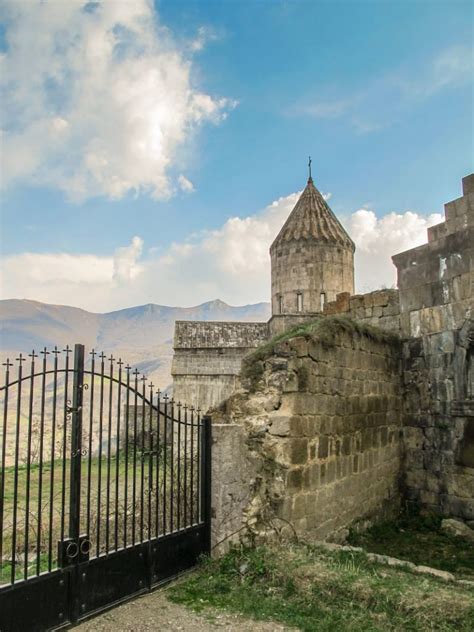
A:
(316, 590)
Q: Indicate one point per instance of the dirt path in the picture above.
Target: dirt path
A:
(155, 612)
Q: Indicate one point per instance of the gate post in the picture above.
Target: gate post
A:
(76, 443)
(206, 479)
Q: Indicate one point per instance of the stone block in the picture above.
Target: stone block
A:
(323, 447)
(280, 426)
(299, 451)
(294, 479)
(331, 471)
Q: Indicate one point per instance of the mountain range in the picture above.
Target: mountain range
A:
(141, 336)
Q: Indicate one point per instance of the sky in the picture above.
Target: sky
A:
(151, 151)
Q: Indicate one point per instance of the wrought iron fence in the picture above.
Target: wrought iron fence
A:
(94, 460)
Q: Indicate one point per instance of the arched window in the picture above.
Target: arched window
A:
(299, 302)
(322, 299)
(280, 303)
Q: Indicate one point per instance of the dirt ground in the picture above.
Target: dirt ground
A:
(154, 612)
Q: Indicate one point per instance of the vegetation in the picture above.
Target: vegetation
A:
(419, 539)
(323, 330)
(314, 590)
(143, 514)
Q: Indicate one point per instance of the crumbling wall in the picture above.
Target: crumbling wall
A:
(379, 309)
(320, 419)
(436, 284)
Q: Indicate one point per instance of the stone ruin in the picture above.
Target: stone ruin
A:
(368, 404)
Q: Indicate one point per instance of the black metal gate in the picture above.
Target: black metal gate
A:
(104, 488)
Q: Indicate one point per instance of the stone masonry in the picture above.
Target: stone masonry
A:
(379, 309)
(208, 357)
(314, 443)
(436, 283)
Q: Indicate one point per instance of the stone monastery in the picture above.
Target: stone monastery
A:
(368, 403)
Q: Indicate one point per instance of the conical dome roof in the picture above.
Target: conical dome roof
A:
(313, 220)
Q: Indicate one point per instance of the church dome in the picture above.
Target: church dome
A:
(312, 219)
(312, 257)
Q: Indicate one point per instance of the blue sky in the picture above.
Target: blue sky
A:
(379, 93)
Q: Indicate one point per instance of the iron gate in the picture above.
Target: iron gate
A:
(104, 487)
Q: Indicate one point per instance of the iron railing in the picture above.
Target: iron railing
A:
(94, 460)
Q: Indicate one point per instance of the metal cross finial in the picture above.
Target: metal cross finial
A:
(309, 167)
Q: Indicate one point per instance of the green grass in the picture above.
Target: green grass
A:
(323, 330)
(315, 591)
(419, 540)
(98, 519)
(6, 569)
(96, 465)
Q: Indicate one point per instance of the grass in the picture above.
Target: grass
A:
(111, 516)
(6, 569)
(323, 330)
(96, 465)
(314, 590)
(419, 540)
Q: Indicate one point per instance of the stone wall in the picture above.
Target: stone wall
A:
(207, 359)
(379, 309)
(319, 448)
(436, 284)
(190, 334)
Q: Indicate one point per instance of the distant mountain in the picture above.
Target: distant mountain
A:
(142, 336)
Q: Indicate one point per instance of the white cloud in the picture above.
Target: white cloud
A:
(126, 267)
(382, 101)
(231, 263)
(377, 239)
(186, 185)
(97, 97)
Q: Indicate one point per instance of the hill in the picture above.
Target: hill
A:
(142, 336)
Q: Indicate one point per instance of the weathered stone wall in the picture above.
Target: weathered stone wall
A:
(320, 443)
(207, 359)
(380, 308)
(436, 283)
(190, 334)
